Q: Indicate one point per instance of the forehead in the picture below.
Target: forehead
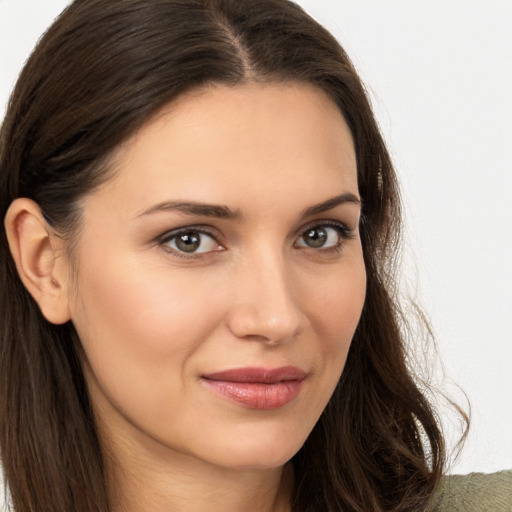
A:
(232, 143)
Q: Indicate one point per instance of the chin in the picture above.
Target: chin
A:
(256, 453)
(251, 460)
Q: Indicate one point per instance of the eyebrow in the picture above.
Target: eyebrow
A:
(195, 208)
(224, 212)
(329, 204)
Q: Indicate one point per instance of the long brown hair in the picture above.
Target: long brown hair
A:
(100, 72)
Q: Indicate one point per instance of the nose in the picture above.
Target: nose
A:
(266, 304)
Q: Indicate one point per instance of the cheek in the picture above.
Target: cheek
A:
(335, 307)
(137, 327)
(140, 333)
(141, 309)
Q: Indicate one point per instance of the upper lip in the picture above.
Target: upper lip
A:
(258, 375)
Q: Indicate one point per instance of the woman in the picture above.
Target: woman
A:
(198, 302)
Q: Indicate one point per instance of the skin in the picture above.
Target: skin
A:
(153, 320)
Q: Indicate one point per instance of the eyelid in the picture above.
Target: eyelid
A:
(166, 237)
(336, 224)
(205, 230)
(345, 233)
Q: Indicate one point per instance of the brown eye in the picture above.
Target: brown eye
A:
(315, 237)
(322, 237)
(188, 242)
(191, 242)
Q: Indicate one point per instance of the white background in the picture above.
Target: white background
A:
(440, 76)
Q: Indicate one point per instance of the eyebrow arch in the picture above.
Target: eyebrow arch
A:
(329, 204)
(195, 208)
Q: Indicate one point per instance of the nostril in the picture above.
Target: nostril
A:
(254, 324)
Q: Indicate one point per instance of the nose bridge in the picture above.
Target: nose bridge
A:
(266, 307)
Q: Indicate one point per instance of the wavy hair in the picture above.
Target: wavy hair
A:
(101, 71)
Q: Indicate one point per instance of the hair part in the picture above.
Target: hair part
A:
(98, 74)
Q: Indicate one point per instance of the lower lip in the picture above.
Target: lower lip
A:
(255, 395)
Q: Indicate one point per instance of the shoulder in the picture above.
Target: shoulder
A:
(476, 492)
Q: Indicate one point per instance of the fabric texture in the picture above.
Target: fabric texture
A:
(475, 492)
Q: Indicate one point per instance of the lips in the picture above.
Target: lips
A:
(257, 388)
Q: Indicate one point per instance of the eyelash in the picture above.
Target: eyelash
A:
(343, 231)
(171, 235)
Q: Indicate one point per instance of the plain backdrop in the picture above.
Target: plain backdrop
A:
(439, 73)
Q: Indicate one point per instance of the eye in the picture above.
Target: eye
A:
(323, 236)
(191, 241)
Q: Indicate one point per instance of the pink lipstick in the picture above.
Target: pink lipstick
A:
(257, 388)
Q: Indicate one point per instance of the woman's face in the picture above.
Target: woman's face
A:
(220, 278)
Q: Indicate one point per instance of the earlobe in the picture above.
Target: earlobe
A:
(34, 249)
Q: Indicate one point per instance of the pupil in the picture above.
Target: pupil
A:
(316, 237)
(188, 242)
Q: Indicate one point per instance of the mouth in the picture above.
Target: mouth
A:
(257, 388)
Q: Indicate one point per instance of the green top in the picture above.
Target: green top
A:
(476, 492)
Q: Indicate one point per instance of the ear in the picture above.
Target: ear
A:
(39, 258)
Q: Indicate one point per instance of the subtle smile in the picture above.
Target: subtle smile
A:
(257, 388)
